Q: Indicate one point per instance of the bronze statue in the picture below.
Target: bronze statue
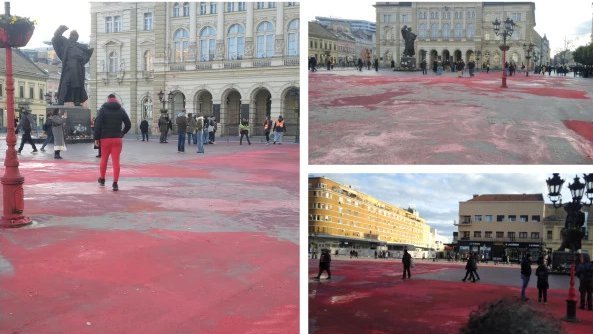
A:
(409, 38)
(74, 56)
(573, 232)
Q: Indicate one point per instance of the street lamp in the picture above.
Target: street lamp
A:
(295, 94)
(478, 55)
(507, 31)
(161, 98)
(528, 49)
(572, 233)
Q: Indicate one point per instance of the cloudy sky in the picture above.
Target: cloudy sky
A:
(557, 19)
(436, 196)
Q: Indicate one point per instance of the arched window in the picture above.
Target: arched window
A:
(516, 35)
(265, 40)
(148, 61)
(186, 9)
(113, 62)
(434, 31)
(422, 31)
(293, 38)
(207, 44)
(176, 9)
(458, 30)
(181, 45)
(471, 31)
(236, 42)
(446, 31)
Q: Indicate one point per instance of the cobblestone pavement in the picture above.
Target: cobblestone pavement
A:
(390, 117)
(191, 243)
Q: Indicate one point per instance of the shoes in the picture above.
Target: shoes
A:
(98, 156)
(18, 152)
(34, 151)
(463, 280)
(474, 281)
(101, 181)
(316, 277)
(42, 149)
(524, 299)
(329, 277)
(115, 187)
(57, 157)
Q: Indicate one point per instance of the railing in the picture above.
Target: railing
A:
(232, 64)
(203, 66)
(148, 74)
(262, 63)
(177, 67)
(293, 61)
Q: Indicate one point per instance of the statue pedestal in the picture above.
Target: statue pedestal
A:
(407, 63)
(77, 128)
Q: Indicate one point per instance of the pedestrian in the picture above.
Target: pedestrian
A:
(585, 275)
(542, 281)
(191, 129)
(487, 68)
(205, 133)
(108, 135)
(26, 124)
(212, 127)
(324, 263)
(279, 129)
(359, 64)
(475, 266)
(47, 128)
(144, 129)
(244, 131)
(267, 128)
(423, 67)
(407, 262)
(163, 127)
(57, 123)
(181, 122)
(470, 265)
(199, 137)
(525, 275)
(376, 64)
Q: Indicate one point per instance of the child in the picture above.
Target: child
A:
(542, 281)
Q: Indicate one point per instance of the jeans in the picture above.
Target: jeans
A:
(199, 138)
(49, 139)
(189, 135)
(278, 136)
(196, 135)
(205, 135)
(163, 136)
(267, 136)
(211, 136)
(144, 135)
(181, 142)
(525, 280)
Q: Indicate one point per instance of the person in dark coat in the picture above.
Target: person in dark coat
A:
(26, 124)
(359, 64)
(47, 127)
(181, 122)
(470, 267)
(376, 64)
(164, 127)
(542, 281)
(585, 275)
(324, 264)
(108, 135)
(407, 262)
(525, 275)
(144, 129)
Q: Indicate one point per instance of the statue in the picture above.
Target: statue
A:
(409, 38)
(573, 233)
(74, 56)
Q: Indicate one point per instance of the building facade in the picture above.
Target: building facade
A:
(342, 219)
(342, 41)
(554, 222)
(323, 44)
(452, 31)
(501, 226)
(230, 60)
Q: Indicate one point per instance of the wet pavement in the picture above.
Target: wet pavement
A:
(373, 297)
(390, 117)
(191, 243)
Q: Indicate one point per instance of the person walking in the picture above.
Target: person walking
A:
(205, 133)
(542, 281)
(212, 127)
(267, 128)
(163, 127)
(108, 135)
(144, 129)
(324, 263)
(181, 122)
(57, 130)
(585, 275)
(191, 128)
(199, 136)
(469, 268)
(525, 275)
(407, 262)
(26, 124)
(279, 129)
(244, 131)
(47, 127)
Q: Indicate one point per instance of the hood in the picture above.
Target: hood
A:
(114, 105)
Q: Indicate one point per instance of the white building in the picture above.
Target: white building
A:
(232, 60)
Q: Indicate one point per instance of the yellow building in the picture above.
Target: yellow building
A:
(343, 219)
(323, 44)
(29, 88)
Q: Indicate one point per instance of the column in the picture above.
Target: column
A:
(249, 31)
(279, 43)
(220, 28)
(193, 48)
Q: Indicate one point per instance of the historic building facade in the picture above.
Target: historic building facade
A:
(231, 60)
(452, 31)
(342, 218)
(340, 40)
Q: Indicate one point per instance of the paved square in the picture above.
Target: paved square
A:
(190, 244)
(390, 117)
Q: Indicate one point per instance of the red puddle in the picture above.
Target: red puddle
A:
(368, 101)
(584, 129)
(374, 299)
(76, 281)
(555, 92)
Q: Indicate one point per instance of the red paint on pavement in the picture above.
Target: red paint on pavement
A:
(584, 129)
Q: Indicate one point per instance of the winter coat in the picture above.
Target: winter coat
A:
(542, 277)
(526, 267)
(191, 125)
(31, 120)
(181, 122)
(109, 121)
(407, 259)
(163, 124)
(58, 132)
(144, 126)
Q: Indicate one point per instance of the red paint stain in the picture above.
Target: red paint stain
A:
(584, 129)
(369, 101)
(555, 92)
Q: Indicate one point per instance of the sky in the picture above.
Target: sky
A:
(436, 196)
(557, 19)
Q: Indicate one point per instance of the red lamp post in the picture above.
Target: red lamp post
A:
(12, 181)
(509, 25)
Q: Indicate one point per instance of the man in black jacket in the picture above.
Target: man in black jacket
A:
(144, 129)
(525, 275)
(407, 261)
(108, 135)
(324, 262)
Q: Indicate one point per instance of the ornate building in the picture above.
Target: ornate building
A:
(452, 31)
(232, 60)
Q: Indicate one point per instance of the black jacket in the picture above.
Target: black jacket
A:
(144, 126)
(526, 267)
(108, 122)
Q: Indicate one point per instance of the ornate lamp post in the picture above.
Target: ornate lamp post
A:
(528, 49)
(161, 98)
(507, 31)
(478, 56)
(14, 34)
(295, 93)
(572, 233)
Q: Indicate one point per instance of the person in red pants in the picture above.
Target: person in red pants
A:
(108, 136)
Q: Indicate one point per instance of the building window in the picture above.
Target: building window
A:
(291, 4)
(31, 93)
(41, 97)
(260, 5)
(293, 38)
(117, 24)
(511, 235)
(434, 31)
(523, 218)
(471, 31)
(22, 92)
(271, 4)
(516, 17)
(108, 24)
(186, 9)
(176, 9)
(387, 18)
(1, 89)
(241, 6)
(181, 41)
(478, 218)
(147, 109)
(477, 234)
(404, 18)
(207, 44)
(512, 218)
(488, 234)
(499, 218)
(535, 218)
(549, 235)
(466, 219)
(466, 234)
(422, 31)
(458, 30)
(265, 40)
(203, 8)
(447, 15)
(236, 42)
(147, 21)
(148, 61)
(113, 62)
(488, 218)
(446, 32)
(522, 235)
(213, 9)
(230, 7)
(499, 234)
(534, 235)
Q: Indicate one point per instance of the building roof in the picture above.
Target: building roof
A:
(317, 30)
(508, 198)
(21, 65)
